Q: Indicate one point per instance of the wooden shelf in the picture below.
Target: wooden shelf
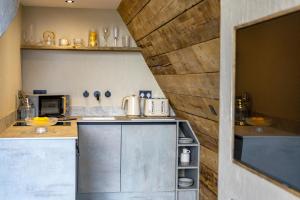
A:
(186, 188)
(188, 145)
(71, 48)
(187, 167)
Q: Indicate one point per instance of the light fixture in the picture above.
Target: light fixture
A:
(69, 1)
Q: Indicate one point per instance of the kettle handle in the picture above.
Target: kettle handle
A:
(125, 99)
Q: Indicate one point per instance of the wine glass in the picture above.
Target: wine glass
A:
(116, 35)
(126, 41)
(30, 34)
(106, 33)
(25, 38)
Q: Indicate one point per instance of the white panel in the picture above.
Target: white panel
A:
(234, 182)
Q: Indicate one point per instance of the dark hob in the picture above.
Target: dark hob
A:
(57, 124)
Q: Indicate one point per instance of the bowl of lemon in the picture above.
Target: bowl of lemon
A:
(259, 121)
(41, 124)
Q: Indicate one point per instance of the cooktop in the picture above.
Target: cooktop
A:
(57, 124)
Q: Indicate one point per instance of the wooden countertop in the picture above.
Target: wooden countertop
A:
(54, 132)
(71, 132)
(132, 119)
(254, 131)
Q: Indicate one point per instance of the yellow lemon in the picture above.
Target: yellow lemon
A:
(41, 119)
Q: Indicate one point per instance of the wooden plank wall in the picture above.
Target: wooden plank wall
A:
(180, 43)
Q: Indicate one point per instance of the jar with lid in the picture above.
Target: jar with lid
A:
(93, 38)
(242, 109)
(26, 110)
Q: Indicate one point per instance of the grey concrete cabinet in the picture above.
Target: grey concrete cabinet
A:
(129, 196)
(37, 169)
(148, 158)
(187, 195)
(135, 161)
(99, 161)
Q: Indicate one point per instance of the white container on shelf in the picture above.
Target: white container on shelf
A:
(185, 156)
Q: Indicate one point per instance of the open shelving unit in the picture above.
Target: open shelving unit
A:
(71, 48)
(191, 170)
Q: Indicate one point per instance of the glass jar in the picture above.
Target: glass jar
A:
(26, 112)
(93, 38)
(241, 112)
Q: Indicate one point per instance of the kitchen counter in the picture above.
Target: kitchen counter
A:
(38, 165)
(120, 119)
(255, 131)
(27, 132)
(269, 151)
(71, 132)
(56, 165)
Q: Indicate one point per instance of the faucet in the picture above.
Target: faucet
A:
(97, 95)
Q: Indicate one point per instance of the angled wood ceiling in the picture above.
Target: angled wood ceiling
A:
(180, 43)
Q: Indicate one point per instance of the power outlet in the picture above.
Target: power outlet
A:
(145, 94)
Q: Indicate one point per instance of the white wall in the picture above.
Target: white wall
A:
(10, 66)
(235, 182)
(124, 73)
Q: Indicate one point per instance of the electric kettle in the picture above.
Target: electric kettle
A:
(133, 105)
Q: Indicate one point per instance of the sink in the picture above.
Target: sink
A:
(98, 118)
(153, 119)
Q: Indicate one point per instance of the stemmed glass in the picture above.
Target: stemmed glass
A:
(106, 33)
(25, 38)
(116, 35)
(28, 35)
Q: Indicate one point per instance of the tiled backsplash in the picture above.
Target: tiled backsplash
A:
(5, 122)
(96, 111)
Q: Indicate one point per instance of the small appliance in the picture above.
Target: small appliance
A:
(157, 107)
(51, 105)
(133, 105)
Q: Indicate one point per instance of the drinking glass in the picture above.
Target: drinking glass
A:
(126, 41)
(25, 38)
(30, 34)
(116, 35)
(106, 33)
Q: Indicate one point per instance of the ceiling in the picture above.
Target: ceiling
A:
(100, 4)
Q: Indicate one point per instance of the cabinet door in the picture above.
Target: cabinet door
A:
(99, 161)
(129, 196)
(148, 158)
(37, 169)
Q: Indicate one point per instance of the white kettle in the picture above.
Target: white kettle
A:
(133, 105)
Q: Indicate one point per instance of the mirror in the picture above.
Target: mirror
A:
(267, 98)
(8, 10)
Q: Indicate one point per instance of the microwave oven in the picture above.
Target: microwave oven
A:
(51, 105)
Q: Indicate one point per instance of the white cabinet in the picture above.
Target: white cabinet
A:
(99, 161)
(148, 157)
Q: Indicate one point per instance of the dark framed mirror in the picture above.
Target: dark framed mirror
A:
(267, 98)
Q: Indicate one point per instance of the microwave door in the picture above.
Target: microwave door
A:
(50, 106)
(64, 105)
